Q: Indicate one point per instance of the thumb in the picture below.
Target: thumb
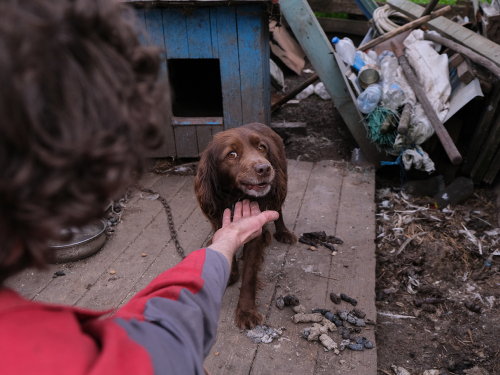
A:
(268, 216)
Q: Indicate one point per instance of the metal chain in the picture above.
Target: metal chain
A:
(173, 232)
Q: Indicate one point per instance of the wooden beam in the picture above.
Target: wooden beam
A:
(465, 73)
(338, 25)
(455, 61)
(452, 30)
(320, 52)
(335, 6)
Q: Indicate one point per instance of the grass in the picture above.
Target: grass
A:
(345, 16)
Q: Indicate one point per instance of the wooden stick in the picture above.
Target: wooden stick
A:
(429, 8)
(476, 57)
(440, 130)
(294, 92)
(409, 26)
(405, 119)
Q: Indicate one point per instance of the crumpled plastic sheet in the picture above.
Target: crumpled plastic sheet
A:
(431, 69)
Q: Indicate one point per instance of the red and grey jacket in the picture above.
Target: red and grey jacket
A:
(167, 328)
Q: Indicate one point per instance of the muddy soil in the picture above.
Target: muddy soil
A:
(442, 263)
(328, 137)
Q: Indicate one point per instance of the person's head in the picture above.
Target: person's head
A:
(78, 104)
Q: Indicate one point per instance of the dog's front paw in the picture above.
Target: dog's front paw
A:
(286, 237)
(248, 319)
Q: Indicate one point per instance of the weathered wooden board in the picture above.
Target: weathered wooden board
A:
(302, 275)
(324, 196)
(320, 53)
(186, 142)
(176, 39)
(198, 34)
(85, 274)
(487, 154)
(251, 47)
(108, 291)
(335, 6)
(337, 25)
(482, 129)
(356, 227)
(227, 39)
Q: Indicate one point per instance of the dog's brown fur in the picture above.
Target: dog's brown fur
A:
(219, 184)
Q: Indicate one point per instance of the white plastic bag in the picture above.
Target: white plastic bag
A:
(307, 92)
(431, 70)
(320, 90)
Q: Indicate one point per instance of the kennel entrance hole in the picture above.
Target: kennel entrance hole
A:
(196, 87)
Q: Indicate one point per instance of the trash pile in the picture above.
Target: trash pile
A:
(408, 82)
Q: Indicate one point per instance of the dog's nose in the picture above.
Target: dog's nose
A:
(263, 169)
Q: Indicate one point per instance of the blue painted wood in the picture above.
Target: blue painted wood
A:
(266, 68)
(251, 53)
(319, 51)
(176, 41)
(213, 33)
(198, 34)
(227, 36)
(154, 27)
(186, 141)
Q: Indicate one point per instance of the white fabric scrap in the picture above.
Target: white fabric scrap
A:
(419, 159)
(431, 69)
(419, 129)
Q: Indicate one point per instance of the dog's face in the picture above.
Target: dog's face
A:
(243, 161)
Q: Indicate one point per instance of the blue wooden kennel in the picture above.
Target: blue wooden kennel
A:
(217, 61)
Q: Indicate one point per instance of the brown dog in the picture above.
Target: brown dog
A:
(245, 163)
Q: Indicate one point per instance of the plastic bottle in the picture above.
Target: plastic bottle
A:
(369, 99)
(345, 48)
(456, 192)
(393, 96)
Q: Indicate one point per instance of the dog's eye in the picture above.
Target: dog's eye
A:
(262, 148)
(232, 155)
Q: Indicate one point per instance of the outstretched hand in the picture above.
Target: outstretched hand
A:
(246, 225)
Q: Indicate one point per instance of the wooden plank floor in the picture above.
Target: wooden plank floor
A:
(325, 196)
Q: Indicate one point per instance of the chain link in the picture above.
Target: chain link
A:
(173, 232)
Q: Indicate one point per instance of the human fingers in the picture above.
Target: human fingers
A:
(237, 211)
(226, 217)
(254, 208)
(267, 216)
(246, 208)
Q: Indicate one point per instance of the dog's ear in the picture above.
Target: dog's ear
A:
(206, 188)
(277, 158)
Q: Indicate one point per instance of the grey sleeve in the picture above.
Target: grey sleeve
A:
(179, 328)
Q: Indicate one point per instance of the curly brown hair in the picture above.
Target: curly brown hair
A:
(79, 103)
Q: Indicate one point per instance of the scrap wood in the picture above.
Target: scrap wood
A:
(438, 126)
(477, 58)
(294, 92)
(409, 26)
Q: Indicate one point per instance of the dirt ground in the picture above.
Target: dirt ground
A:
(328, 137)
(441, 262)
